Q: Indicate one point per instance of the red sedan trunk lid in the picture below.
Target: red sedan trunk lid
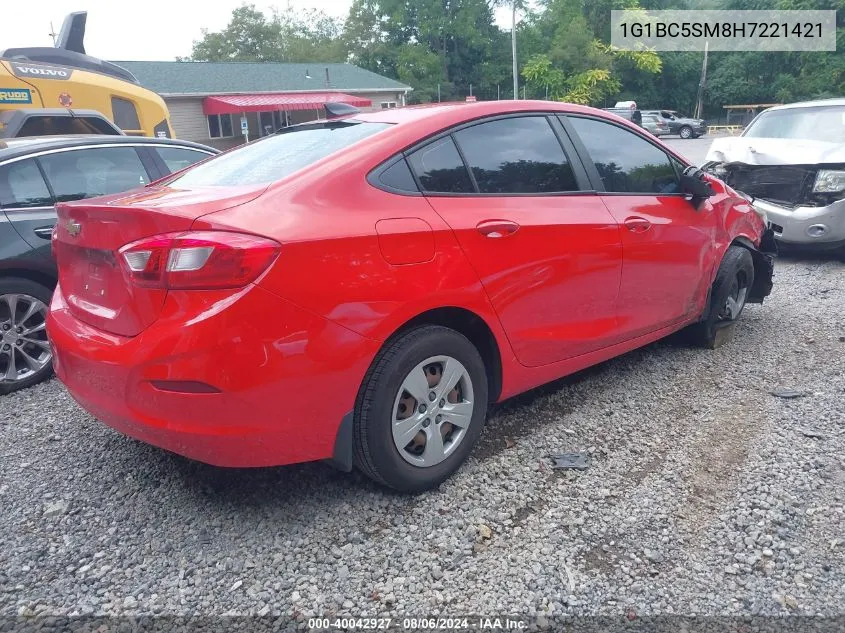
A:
(90, 233)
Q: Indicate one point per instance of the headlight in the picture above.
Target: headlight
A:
(829, 181)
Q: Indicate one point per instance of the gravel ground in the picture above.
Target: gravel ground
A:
(705, 494)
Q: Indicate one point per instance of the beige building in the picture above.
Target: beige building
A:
(209, 101)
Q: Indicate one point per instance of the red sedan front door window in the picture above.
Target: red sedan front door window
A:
(666, 239)
(548, 256)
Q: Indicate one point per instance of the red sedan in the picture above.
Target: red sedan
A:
(360, 289)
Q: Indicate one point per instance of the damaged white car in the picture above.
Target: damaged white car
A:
(790, 161)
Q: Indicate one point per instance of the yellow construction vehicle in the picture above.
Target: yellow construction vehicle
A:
(65, 77)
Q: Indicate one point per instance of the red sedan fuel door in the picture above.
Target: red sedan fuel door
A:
(548, 256)
(665, 238)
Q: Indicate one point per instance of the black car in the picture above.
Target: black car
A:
(35, 174)
(683, 126)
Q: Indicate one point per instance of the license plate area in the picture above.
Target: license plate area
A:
(97, 273)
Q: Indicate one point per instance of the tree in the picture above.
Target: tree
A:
(579, 67)
(309, 36)
(445, 42)
(247, 37)
(563, 52)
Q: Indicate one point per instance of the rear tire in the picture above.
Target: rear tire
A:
(394, 437)
(685, 132)
(25, 355)
(728, 296)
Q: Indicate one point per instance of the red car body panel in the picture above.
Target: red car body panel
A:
(268, 410)
(283, 358)
(554, 280)
(665, 240)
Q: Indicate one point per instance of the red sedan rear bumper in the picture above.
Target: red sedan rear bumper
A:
(281, 378)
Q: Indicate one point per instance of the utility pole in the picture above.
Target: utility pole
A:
(513, 51)
(699, 102)
(53, 33)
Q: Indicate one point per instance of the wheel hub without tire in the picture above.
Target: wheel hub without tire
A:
(24, 350)
(432, 411)
(736, 299)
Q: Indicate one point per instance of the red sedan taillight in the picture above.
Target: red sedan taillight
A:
(199, 260)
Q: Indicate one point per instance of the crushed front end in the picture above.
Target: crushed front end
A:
(804, 204)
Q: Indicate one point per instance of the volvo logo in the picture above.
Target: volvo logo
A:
(40, 71)
(73, 228)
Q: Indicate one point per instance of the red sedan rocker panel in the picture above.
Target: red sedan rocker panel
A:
(243, 325)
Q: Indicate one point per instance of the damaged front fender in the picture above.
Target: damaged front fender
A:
(764, 265)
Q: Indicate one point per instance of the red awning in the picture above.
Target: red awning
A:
(234, 104)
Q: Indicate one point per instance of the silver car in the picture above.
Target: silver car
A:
(791, 161)
(655, 125)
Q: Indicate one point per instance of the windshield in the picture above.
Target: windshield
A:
(277, 156)
(824, 123)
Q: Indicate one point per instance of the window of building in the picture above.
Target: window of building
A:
(220, 126)
(386, 105)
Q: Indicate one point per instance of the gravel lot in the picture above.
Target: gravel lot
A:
(705, 494)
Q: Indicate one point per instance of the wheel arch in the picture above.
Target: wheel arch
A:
(36, 276)
(741, 241)
(476, 329)
(763, 268)
(462, 320)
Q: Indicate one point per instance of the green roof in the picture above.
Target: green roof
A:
(205, 78)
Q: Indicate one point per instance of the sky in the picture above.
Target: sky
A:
(146, 30)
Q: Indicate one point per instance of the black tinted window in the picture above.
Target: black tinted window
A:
(275, 157)
(626, 162)
(516, 155)
(177, 158)
(65, 125)
(439, 168)
(125, 114)
(398, 176)
(22, 186)
(85, 173)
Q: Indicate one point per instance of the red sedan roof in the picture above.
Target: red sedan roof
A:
(416, 122)
(465, 111)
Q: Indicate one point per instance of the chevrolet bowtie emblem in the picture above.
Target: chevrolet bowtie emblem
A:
(73, 227)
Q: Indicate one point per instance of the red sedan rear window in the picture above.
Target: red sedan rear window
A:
(277, 156)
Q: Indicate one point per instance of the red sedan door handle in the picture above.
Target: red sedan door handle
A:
(497, 228)
(637, 224)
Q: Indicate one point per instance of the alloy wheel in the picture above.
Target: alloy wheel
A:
(432, 411)
(24, 350)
